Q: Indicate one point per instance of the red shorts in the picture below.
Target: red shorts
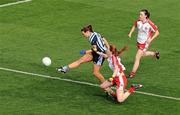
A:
(119, 83)
(142, 46)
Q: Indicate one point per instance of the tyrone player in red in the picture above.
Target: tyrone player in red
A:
(147, 32)
(118, 78)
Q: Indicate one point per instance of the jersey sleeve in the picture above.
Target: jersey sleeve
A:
(94, 40)
(153, 26)
(119, 65)
(135, 23)
(113, 60)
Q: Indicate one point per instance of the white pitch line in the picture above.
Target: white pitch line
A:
(81, 82)
(14, 3)
(156, 95)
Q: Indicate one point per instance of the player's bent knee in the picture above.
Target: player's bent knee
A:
(120, 100)
(102, 86)
(144, 54)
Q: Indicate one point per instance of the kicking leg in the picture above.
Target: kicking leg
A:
(75, 64)
(85, 58)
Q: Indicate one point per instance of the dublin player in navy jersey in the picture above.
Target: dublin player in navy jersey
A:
(98, 43)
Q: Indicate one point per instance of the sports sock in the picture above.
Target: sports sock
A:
(131, 90)
(132, 73)
(114, 94)
(66, 68)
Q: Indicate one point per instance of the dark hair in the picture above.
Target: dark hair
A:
(146, 12)
(87, 28)
(115, 52)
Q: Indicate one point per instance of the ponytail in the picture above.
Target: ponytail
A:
(115, 52)
(120, 52)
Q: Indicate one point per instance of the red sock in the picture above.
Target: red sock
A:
(114, 94)
(132, 73)
(131, 90)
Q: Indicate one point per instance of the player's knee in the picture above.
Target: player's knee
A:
(102, 86)
(120, 100)
(139, 55)
(144, 53)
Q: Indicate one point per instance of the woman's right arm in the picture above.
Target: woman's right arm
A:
(131, 31)
(102, 54)
(105, 55)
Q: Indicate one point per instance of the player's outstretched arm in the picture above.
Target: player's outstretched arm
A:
(102, 54)
(131, 31)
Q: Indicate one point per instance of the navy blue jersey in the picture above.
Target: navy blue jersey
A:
(96, 39)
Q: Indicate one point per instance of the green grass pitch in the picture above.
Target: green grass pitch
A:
(39, 28)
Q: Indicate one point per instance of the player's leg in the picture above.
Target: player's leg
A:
(139, 54)
(97, 74)
(148, 53)
(151, 53)
(105, 84)
(121, 83)
(75, 64)
(98, 62)
(122, 95)
(106, 87)
(85, 58)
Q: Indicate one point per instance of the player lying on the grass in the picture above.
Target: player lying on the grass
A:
(118, 78)
(145, 36)
(95, 39)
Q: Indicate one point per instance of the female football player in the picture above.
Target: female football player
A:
(99, 44)
(118, 78)
(147, 32)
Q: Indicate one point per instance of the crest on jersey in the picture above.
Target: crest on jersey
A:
(146, 28)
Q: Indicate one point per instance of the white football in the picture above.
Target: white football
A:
(46, 61)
